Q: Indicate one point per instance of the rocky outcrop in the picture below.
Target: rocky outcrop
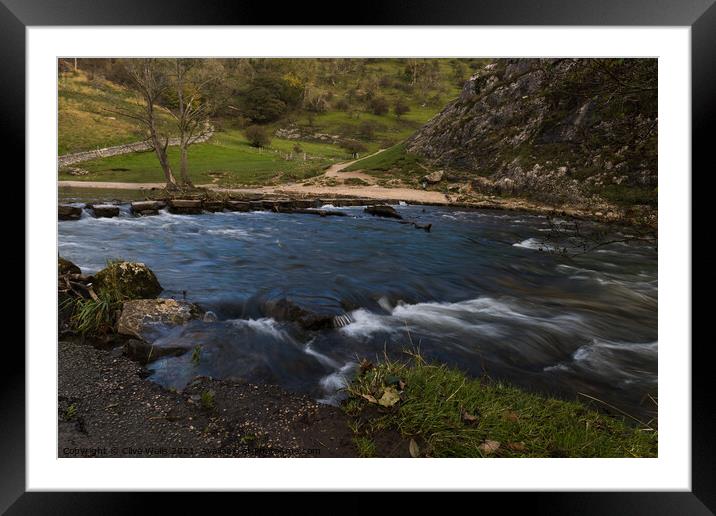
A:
(567, 128)
(68, 212)
(434, 177)
(132, 280)
(140, 317)
(383, 210)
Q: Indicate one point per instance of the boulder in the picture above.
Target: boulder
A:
(68, 212)
(214, 205)
(147, 207)
(133, 280)
(383, 210)
(105, 210)
(140, 316)
(434, 177)
(237, 205)
(287, 310)
(185, 206)
(66, 267)
(143, 352)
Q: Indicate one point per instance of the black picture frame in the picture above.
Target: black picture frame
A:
(700, 15)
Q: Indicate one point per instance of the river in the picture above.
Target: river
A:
(481, 292)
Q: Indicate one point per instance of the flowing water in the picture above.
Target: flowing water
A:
(481, 292)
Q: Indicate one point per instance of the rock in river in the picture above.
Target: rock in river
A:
(133, 280)
(67, 212)
(185, 206)
(140, 316)
(383, 210)
(144, 352)
(105, 210)
(287, 310)
(147, 207)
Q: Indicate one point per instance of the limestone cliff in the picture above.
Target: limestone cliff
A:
(561, 129)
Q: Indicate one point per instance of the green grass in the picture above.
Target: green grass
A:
(392, 162)
(84, 122)
(94, 316)
(227, 160)
(629, 195)
(451, 415)
(365, 446)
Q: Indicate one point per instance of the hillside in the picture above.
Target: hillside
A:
(557, 130)
(329, 109)
(85, 120)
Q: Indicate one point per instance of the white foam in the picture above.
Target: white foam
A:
(265, 325)
(534, 243)
(235, 233)
(366, 323)
(323, 359)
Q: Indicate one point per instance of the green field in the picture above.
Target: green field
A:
(227, 160)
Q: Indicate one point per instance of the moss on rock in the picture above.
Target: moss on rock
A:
(128, 280)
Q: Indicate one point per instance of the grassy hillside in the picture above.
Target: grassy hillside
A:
(347, 114)
(84, 122)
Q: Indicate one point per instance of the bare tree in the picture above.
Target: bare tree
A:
(192, 108)
(151, 82)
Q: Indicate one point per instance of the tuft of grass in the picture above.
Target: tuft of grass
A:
(196, 355)
(71, 412)
(95, 316)
(207, 400)
(365, 446)
(455, 416)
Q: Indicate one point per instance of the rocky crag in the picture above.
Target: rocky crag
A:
(559, 130)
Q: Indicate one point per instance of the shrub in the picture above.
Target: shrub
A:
(257, 136)
(379, 105)
(400, 108)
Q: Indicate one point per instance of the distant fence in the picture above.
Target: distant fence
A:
(78, 157)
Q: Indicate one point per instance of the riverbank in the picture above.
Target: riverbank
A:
(638, 217)
(107, 408)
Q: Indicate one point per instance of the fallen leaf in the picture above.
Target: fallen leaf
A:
(401, 385)
(468, 418)
(414, 449)
(520, 446)
(489, 447)
(369, 398)
(389, 398)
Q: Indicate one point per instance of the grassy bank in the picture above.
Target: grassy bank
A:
(445, 414)
(227, 159)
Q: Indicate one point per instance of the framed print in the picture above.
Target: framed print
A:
(293, 256)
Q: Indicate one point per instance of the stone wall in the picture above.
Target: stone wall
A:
(78, 157)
